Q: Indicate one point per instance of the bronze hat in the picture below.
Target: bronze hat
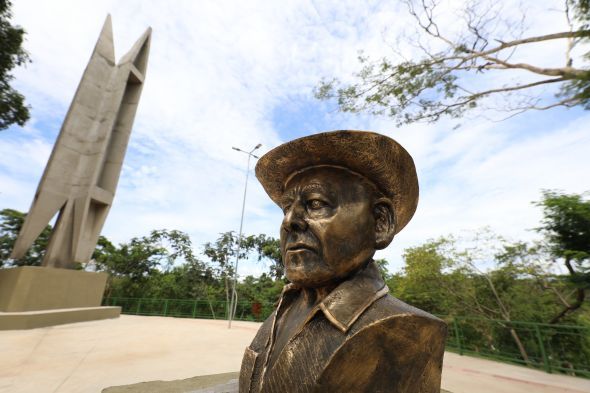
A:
(377, 157)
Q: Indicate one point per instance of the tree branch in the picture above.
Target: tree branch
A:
(580, 296)
(517, 87)
(566, 72)
(540, 38)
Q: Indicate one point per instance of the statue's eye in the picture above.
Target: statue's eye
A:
(316, 204)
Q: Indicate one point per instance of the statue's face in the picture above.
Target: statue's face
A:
(328, 230)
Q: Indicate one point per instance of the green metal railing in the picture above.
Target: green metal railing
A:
(553, 348)
(182, 308)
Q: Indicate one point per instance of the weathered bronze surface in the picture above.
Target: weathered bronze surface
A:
(345, 194)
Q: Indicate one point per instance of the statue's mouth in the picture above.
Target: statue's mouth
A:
(300, 247)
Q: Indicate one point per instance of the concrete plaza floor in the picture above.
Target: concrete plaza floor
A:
(90, 356)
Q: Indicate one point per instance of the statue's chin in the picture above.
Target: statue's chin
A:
(310, 278)
(306, 269)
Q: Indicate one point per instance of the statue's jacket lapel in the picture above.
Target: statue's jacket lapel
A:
(358, 339)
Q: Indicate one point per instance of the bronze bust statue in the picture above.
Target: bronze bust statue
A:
(344, 194)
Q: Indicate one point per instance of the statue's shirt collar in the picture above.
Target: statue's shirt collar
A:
(350, 299)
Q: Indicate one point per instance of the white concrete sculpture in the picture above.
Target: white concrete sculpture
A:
(81, 176)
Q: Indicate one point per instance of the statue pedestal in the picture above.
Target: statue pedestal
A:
(32, 297)
(215, 383)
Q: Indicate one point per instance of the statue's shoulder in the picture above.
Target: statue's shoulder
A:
(390, 311)
(393, 347)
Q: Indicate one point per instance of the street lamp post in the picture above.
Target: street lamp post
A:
(234, 295)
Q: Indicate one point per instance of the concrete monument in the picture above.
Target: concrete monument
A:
(78, 184)
(81, 176)
(344, 195)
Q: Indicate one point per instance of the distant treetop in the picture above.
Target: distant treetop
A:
(13, 109)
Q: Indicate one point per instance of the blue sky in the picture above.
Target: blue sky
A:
(225, 74)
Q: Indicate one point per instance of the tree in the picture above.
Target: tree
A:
(472, 284)
(190, 280)
(421, 281)
(11, 222)
(223, 252)
(269, 248)
(131, 265)
(12, 104)
(382, 264)
(566, 225)
(445, 76)
(539, 291)
(262, 292)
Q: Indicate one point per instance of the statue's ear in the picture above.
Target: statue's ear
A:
(384, 222)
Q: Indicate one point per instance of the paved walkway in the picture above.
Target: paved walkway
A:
(90, 356)
(466, 374)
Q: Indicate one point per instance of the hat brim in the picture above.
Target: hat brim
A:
(377, 157)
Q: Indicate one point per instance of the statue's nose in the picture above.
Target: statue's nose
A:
(294, 218)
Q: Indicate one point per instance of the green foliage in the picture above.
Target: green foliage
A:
(261, 289)
(527, 282)
(12, 107)
(420, 282)
(269, 248)
(566, 225)
(162, 265)
(224, 251)
(397, 90)
(141, 256)
(488, 283)
(382, 266)
(484, 276)
(581, 12)
(190, 280)
(11, 222)
(137, 266)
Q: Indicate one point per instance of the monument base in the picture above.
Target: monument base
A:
(33, 288)
(32, 297)
(43, 318)
(215, 383)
